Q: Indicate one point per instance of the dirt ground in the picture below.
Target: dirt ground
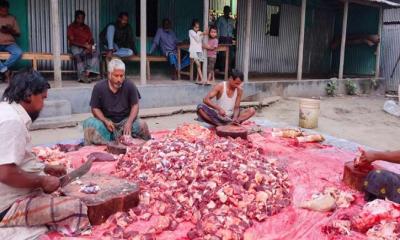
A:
(359, 119)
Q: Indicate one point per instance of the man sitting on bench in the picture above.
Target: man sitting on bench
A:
(166, 39)
(227, 108)
(81, 43)
(9, 30)
(118, 38)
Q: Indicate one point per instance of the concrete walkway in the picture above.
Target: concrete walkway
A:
(156, 118)
(74, 119)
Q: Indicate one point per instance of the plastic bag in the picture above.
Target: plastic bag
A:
(392, 108)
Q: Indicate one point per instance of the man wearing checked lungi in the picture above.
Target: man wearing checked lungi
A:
(27, 208)
(115, 108)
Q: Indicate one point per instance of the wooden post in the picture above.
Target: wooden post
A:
(343, 43)
(56, 42)
(179, 63)
(148, 75)
(143, 41)
(227, 56)
(379, 45)
(301, 40)
(205, 24)
(191, 70)
(246, 59)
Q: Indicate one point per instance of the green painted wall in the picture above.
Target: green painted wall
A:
(359, 59)
(19, 9)
(185, 12)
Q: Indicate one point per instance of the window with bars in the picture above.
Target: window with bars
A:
(273, 20)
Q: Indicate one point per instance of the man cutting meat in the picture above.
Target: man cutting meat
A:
(115, 107)
(226, 110)
(26, 206)
(381, 183)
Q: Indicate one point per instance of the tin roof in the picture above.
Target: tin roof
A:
(392, 3)
(385, 3)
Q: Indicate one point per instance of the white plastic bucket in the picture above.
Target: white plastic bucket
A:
(309, 113)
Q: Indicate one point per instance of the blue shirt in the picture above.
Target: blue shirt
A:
(166, 40)
(225, 27)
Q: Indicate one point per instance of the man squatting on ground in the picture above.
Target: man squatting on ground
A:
(226, 110)
(25, 182)
(115, 108)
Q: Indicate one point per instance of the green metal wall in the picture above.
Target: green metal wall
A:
(19, 9)
(360, 59)
(185, 12)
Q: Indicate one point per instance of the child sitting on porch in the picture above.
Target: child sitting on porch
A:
(211, 46)
(196, 48)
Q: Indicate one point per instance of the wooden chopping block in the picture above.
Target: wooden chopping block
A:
(354, 177)
(115, 195)
(116, 148)
(232, 131)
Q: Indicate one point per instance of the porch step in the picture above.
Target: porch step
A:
(56, 108)
(55, 114)
(53, 122)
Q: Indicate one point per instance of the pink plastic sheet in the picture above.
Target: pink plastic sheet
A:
(311, 167)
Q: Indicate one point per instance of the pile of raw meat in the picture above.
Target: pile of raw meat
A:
(379, 219)
(220, 185)
(52, 156)
(55, 155)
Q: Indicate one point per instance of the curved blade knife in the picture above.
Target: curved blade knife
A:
(79, 172)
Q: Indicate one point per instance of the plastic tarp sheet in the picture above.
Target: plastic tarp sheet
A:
(311, 168)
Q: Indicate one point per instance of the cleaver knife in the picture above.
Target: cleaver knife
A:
(79, 172)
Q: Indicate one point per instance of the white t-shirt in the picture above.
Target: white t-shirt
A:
(15, 148)
(196, 41)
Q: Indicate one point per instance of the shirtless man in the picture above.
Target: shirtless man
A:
(226, 110)
(381, 183)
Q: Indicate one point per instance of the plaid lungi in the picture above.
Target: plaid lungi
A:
(214, 115)
(95, 132)
(63, 214)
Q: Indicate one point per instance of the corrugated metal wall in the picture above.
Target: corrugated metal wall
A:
(318, 37)
(219, 5)
(270, 54)
(391, 15)
(39, 24)
(39, 28)
(391, 48)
